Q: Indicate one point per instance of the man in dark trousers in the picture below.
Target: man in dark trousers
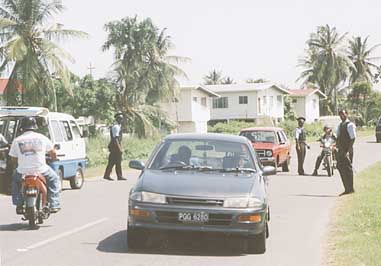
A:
(301, 145)
(346, 135)
(115, 148)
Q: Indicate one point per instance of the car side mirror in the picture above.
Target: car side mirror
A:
(269, 170)
(57, 147)
(134, 164)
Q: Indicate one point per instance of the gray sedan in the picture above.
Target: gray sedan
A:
(203, 183)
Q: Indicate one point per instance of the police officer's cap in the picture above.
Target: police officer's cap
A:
(28, 123)
(301, 118)
(118, 115)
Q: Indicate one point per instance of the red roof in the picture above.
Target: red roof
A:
(3, 84)
(306, 92)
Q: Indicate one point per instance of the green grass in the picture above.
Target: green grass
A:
(355, 236)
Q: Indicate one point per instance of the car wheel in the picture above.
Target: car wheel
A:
(286, 164)
(76, 182)
(136, 238)
(256, 244)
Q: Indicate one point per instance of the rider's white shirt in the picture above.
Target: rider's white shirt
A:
(30, 150)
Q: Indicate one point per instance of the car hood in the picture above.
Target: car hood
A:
(197, 184)
(263, 145)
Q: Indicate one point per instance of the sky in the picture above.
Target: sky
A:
(242, 38)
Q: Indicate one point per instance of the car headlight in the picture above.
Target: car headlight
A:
(269, 153)
(148, 197)
(243, 203)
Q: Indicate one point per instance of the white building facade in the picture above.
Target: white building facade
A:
(192, 110)
(306, 103)
(251, 101)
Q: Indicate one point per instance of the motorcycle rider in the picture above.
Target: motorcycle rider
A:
(28, 151)
(328, 135)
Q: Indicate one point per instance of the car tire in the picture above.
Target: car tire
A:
(136, 238)
(286, 164)
(76, 182)
(256, 244)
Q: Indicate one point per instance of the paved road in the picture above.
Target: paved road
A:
(90, 230)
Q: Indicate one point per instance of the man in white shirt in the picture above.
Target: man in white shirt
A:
(28, 151)
(115, 148)
(301, 144)
(346, 135)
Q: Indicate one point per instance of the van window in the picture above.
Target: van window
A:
(67, 131)
(58, 137)
(10, 131)
(76, 132)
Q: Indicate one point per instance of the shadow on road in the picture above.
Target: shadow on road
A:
(18, 227)
(315, 196)
(191, 245)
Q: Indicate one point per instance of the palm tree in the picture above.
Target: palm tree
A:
(326, 63)
(28, 51)
(362, 59)
(146, 74)
(213, 78)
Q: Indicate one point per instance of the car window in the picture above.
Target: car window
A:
(260, 136)
(66, 130)
(76, 132)
(58, 136)
(199, 153)
(284, 136)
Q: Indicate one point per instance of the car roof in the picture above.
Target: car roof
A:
(19, 111)
(262, 129)
(206, 136)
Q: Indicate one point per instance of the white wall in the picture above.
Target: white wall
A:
(200, 112)
(271, 107)
(312, 108)
(299, 106)
(236, 110)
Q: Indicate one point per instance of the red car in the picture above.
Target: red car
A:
(271, 145)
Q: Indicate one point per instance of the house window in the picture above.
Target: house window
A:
(264, 100)
(314, 103)
(220, 103)
(243, 99)
(279, 99)
(294, 100)
(203, 101)
(271, 101)
(195, 99)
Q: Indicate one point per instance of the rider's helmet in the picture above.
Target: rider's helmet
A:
(28, 123)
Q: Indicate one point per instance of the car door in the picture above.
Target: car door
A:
(79, 147)
(287, 144)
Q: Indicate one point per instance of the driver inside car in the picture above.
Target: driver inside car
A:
(183, 154)
(28, 152)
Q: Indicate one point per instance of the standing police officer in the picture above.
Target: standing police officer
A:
(301, 145)
(115, 148)
(346, 135)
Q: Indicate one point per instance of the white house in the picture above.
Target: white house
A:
(250, 101)
(306, 103)
(192, 110)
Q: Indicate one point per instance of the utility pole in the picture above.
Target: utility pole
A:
(91, 68)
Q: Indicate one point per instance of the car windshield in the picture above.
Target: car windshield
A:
(211, 155)
(260, 136)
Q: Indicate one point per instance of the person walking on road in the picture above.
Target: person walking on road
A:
(346, 135)
(115, 148)
(301, 145)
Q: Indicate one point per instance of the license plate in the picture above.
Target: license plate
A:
(193, 217)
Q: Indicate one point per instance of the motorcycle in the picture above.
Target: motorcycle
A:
(34, 190)
(329, 163)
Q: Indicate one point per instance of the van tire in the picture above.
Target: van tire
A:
(76, 182)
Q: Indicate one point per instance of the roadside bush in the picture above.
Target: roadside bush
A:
(133, 148)
(313, 130)
(233, 127)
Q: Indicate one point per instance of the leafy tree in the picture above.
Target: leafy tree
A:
(213, 78)
(358, 100)
(227, 80)
(260, 80)
(326, 64)
(362, 59)
(143, 70)
(28, 49)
